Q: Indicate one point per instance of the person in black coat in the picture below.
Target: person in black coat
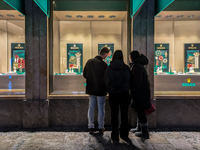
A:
(96, 88)
(140, 92)
(117, 79)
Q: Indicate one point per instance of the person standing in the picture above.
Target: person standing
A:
(140, 92)
(117, 78)
(96, 88)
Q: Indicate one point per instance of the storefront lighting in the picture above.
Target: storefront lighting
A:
(79, 16)
(191, 16)
(112, 16)
(9, 15)
(90, 16)
(68, 16)
(180, 16)
(158, 16)
(20, 15)
(101, 16)
(169, 16)
(1, 15)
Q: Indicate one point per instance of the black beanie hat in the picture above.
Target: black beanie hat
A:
(134, 55)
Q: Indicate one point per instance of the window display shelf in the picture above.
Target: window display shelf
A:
(69, 84)
(13, 81)
(176, 83)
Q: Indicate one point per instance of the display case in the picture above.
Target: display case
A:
(192, 59)
(74, 58)
(18, 58)
(76, 40)
(161, 58)
(178, 41)
(12, 58)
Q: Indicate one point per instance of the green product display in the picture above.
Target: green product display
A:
(161, 57)
(110, 46)
(18, 57)
(75, 58)
(192, 59)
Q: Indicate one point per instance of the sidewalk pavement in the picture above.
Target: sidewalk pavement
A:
(62, 140)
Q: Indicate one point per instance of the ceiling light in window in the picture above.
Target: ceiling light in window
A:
(20, 15)
(191, 16)
(9, 15)
(68, 16)
(101, 16)
(79, 16)
(1, 15)
(179, 16)
(158, 16)
(90, 16)
(169, 16)
(112, 16)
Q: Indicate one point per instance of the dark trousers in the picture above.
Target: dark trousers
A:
(141, 116)
(122, 101)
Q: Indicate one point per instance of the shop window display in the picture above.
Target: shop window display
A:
(177, 47)
(12, 58)
(75, 40)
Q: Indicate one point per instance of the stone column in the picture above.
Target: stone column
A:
(35, 107)
(143, 40)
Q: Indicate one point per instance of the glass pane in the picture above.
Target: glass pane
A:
(177, 46)
(77, 39)
(12, 58)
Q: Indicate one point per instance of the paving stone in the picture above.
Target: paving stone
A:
(84, 141)
(163, 146)
(171, 135)
(155, 138)
(35, 146)
(181, 144)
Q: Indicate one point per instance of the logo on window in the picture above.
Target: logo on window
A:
(188, 83)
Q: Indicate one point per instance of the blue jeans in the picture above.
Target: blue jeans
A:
(101, 100)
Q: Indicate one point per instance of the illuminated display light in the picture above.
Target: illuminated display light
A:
(90, 16)
(191, 16)
(112, 16)
(20, 15)
(79, 16)
(179, 16)
(158, 16)
(169, 16)
(68, 16)
(9, 15)
(101, 16)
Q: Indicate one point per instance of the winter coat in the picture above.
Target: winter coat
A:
(140, 86)
(94, 74)
(117, 77)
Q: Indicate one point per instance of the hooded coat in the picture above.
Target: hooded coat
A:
(140, 85)
(117, 77)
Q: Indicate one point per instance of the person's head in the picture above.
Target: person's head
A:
(133, 55)
(104, 52)
(118, 55)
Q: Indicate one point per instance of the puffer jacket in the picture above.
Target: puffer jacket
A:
(117, 77)
(140, 85)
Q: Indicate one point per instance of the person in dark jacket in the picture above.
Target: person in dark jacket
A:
(96, 88)
(117, 78)
(140, 92)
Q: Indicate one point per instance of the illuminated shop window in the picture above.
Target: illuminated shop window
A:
(176, 56)
(12, 58)
(79, 36)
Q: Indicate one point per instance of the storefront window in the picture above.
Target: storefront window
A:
(12, 58)
(79, 36)
(177, 47)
